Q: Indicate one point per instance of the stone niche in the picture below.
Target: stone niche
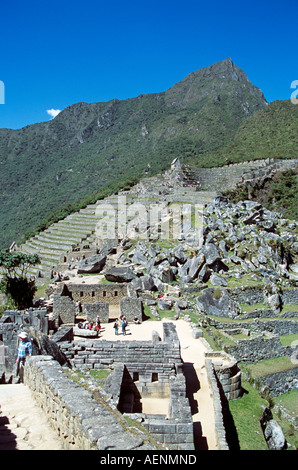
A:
(91, 310)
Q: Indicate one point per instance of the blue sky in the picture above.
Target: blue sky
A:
(57, 53)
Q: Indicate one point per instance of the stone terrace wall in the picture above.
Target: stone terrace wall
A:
(255, 295)
(280, 382)
(259, 348)
(228, 176)
(80, 421)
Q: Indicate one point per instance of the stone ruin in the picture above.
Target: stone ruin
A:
(138, 370)
(73, 300)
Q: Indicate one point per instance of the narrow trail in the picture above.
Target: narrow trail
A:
(23, 424)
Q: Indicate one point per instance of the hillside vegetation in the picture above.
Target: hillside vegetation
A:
(270, 133)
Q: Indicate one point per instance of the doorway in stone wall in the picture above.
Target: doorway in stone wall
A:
(114, 312)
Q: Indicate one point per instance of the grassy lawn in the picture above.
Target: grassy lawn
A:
(289, 401)
(287, 340)
(270, 366)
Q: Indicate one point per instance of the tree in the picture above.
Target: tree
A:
(14, 283)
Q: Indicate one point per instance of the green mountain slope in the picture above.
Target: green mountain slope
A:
(270, 133)
(89, 146)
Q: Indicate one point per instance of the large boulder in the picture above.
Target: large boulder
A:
(211, 253)
(84, 332)
(272, 431)
(189, 271)
(119, 274)
(143, 283)
(92, 265)
(165, 272)
(217, 301)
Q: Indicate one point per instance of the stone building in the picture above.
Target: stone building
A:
(71, 300)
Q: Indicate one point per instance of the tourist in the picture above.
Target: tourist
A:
(98, 325)
(123, 326)
(90, 326)
(116, 326)
(24, 350)
(136, 320)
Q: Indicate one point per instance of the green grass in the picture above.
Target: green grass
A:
(289, 401)
(287, 340)
(247, 412)
(270, 366)
(101, 374)
(247, 308)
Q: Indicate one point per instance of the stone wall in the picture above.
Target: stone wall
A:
(228, 176)
(79, 420)
(260, 347)
(92, 309)
(11, 324)
(131, 307)
(142, 369)
(64, 310)
(218, 411)
(227, 373)
(254, 295)
(248, 295)
(276, 326)
(174, 429)
(280, 382)
(111, 293)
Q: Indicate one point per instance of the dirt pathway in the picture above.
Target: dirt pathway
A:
(23, 424)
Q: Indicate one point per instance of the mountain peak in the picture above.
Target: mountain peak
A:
(215, 80)
(225, 69)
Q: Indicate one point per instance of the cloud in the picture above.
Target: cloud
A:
(53, 112)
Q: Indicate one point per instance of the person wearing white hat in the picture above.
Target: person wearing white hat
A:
(24, 350)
